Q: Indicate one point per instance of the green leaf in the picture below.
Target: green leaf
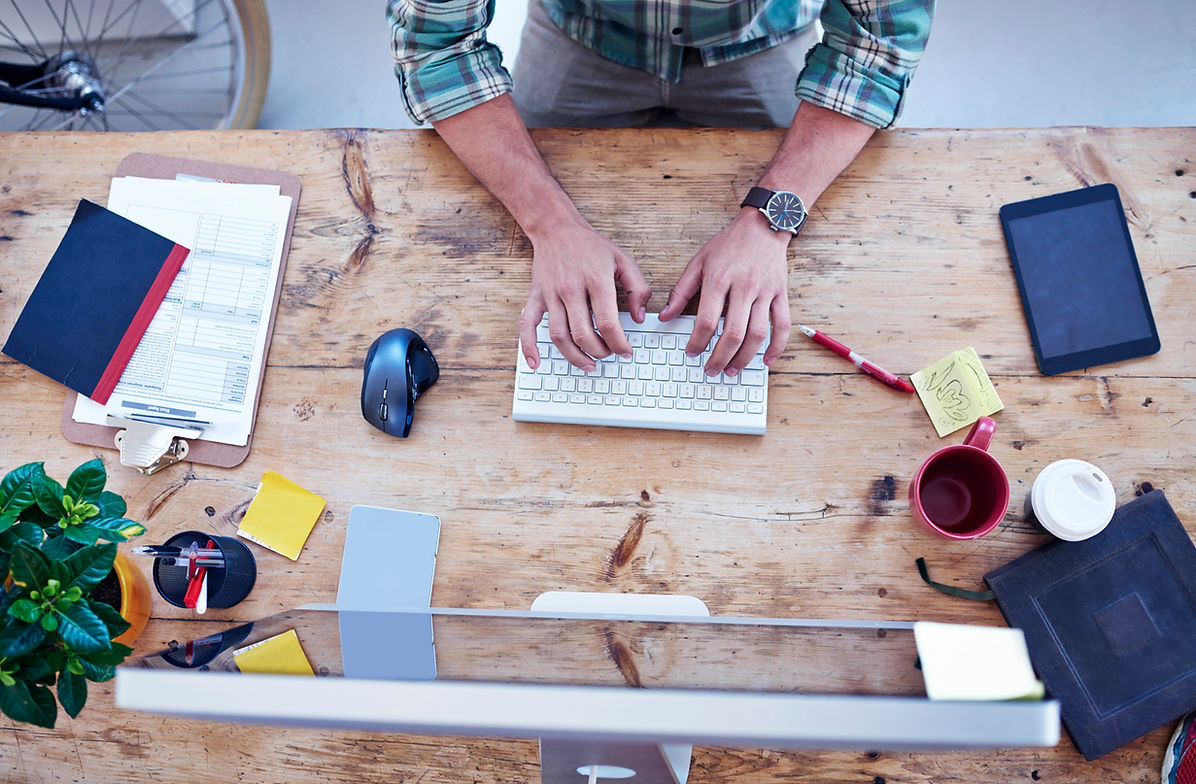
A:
(21, 532)
(112, 619)
(111, 504)
(17, 488)
(82, 630)
(35, 668)
(48, 494)
(18, 639)
(32, 704)
(59, 548)
(30, 568)
(88, 566)
(72, 692)
(97, 672)
(49, 621)
(83, 533)
(87, 481)
(109, 658)
(118, 529)
(25, 610)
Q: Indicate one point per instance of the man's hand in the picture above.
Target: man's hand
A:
(574, 271)
(744, 268)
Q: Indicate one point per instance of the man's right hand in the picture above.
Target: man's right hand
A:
(574, 271)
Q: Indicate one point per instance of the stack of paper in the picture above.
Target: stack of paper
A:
(200, 359)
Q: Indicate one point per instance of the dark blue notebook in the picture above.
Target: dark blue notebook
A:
(1111, 623)
(94, 301)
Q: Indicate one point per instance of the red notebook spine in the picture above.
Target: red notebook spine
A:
(141, 321)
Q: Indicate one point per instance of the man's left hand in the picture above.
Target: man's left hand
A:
(745, 269)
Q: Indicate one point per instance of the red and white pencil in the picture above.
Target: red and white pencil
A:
(877, 372)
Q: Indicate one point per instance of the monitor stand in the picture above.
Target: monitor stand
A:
(578, 761)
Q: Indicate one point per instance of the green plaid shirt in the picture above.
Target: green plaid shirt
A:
(862, 67)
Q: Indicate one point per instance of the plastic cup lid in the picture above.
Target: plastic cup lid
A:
(1073, 499)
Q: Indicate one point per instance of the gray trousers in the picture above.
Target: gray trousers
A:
(560, 83)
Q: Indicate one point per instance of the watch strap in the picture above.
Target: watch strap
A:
(757, 197)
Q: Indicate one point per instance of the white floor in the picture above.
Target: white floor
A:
(990, 64)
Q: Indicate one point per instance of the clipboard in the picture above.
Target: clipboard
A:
(154, 446)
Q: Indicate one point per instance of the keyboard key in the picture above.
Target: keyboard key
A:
(668, 342)
(552, 383)
(652, 340)
(752, 378)
(636, 339)
(529, 381)
(739, 393)
(569, 384)
(560, 397)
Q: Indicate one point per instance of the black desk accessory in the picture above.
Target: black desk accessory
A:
(1111, 623)
(1081, 288)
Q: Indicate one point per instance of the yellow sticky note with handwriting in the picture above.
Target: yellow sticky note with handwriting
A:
(281, 515)
(956, 391)
(278, 655)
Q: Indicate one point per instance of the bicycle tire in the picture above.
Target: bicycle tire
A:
(146, 76)
(255, 27)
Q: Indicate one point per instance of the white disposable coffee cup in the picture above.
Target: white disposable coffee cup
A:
(1072, 499)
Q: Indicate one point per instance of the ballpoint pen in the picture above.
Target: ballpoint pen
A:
(877, 372)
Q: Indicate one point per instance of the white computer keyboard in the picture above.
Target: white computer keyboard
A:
(659, 387)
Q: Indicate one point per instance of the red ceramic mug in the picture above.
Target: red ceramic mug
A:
(961, 491)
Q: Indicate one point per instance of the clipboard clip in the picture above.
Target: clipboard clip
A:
(149, 446)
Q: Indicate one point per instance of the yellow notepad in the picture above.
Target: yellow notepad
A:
(956, 391)
(281, 516)
(278, 655)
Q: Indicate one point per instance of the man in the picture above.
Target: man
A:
(624, 62)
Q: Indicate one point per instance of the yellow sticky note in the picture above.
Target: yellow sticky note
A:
(281, 516)
(961, 662)
(279, 655)
(956, 391)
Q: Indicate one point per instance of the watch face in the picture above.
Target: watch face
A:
(785, 210)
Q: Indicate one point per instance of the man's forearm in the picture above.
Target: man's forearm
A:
(817, 147)
(492, 142)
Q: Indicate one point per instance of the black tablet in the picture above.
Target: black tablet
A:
(1081, 287)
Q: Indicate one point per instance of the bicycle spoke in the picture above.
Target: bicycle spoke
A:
(192, 14)
(71, 11)
(161, 62)
(173, 74)
(133, 112)
(10, 35)
(61, 25)
(32, 35)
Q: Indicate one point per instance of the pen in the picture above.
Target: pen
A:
(171, 551)
(877, 372)
(166, 419)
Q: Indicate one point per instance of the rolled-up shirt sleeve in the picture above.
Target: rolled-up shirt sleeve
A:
(869, 50)
(443, 61)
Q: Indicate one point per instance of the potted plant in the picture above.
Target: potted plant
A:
(54, 630)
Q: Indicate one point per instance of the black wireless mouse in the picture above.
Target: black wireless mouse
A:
(398, 369)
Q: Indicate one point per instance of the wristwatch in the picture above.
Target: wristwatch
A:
(784, 210)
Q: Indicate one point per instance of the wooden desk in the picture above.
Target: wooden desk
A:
(903, 258)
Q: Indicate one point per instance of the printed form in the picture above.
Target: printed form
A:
(202, 355)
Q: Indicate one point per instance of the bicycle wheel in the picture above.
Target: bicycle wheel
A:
(133, 65)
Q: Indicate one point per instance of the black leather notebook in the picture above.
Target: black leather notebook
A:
(1111, 623)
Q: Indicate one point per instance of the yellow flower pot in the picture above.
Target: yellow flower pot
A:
(135, 598)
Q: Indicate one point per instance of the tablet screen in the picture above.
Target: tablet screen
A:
(1079, 279)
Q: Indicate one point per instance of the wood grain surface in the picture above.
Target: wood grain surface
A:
(903, 259)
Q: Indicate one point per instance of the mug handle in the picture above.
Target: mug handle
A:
(981, 434)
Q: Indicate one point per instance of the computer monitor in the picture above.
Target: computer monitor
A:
(594, 683)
